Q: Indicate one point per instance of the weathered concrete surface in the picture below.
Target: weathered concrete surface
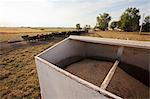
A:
(56, 82)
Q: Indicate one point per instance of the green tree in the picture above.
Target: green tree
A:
(130, 20)
(114, 24)
(78, 26)
(119, 24)
(103, 21)
(146, 24)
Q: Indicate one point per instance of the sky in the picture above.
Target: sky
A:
(64, 13)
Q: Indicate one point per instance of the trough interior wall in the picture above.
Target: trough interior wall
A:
(74, 50)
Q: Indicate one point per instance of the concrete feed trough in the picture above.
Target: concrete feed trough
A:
(61, 78)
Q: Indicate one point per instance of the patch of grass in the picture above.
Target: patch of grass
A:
(18, 75)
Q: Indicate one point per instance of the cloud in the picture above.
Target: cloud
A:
(61, 12)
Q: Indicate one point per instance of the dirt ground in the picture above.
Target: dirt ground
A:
(122, 84)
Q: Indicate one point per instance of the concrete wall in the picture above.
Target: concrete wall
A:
(56, 83)
(137, 56)
(67, 49)
(105, 51)
(74, 48)
(135, 52)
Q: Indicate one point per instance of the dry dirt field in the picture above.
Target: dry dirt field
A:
(18, 76)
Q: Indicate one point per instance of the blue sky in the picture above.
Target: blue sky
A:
(63, 13)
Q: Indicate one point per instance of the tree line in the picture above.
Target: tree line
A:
(129, 21)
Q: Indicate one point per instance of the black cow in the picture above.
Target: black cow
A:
(25, 37)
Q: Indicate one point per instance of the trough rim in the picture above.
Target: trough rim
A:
(110, 41)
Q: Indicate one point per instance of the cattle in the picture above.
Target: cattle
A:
(59, 34)
(45, 37)
(25, 37)
(30, 38)
(49, 36)
(33, 38)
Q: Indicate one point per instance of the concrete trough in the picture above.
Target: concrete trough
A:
(57, 83)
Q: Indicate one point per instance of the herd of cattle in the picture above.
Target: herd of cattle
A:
(49, 36)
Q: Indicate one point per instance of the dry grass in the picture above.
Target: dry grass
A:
(121, 35)
(13, 30)
(18, 76)
(11, 33)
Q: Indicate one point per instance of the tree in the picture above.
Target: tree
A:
(103, 21)
(130, 20)
(87, 27)
(113, 24)
(78, 26)
(146, 24)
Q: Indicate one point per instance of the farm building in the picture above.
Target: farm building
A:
(94, 68)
